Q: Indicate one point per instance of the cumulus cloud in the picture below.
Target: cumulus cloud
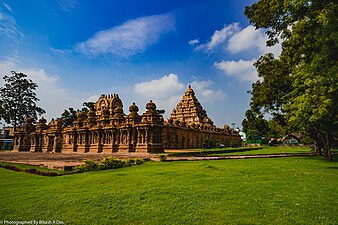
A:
(219, 38)
(251, 39)
(129, 38)
(205, 93)
(53, 98)
(234, 39)
(167, 91)
(159, 88)
(242, 69)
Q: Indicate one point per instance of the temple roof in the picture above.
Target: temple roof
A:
(190, 110)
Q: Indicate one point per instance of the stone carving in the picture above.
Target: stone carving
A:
(189, 111)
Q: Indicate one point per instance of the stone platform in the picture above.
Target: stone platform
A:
(62, 160)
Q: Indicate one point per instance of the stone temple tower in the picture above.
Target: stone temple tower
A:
(190, 111)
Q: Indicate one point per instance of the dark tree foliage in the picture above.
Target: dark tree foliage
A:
(89, 105)
(301, 86)
(70, 115)
(18, 99)
(161, 111)
(255, 126)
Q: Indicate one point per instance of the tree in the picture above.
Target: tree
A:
(89, 105)
(18, 99)
(255, 126)
(301, 86)
(70, 115)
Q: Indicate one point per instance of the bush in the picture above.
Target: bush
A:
(162, 157)
(235, 144)
(107, 163)
(138, 161)
(90, 164)
(208, 143)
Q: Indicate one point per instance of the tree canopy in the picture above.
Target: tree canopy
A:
(301, 86)
(255, 126)
(18, 99)
(70, 115)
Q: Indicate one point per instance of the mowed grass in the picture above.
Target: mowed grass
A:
(296, 190)
(274, 150)
(266, 150)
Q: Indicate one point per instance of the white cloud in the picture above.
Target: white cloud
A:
(167, 91)
(8, 26)
(203, 91)
(242, 69)
(163, 87)
(61, 51)
(194, 41)
(67, 5)
(251, 39)
(236, 40)
(128, 39)
(53, 98)
(7, 7)
(92, 98)
(220, 37)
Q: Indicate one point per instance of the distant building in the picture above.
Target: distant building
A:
(291, 139)
(107, 129)
(6, 138)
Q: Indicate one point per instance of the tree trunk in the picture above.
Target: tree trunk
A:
(327, 146)
(318, 148)
(14, 126)
(326, 140)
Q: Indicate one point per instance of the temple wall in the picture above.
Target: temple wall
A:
(178, 137)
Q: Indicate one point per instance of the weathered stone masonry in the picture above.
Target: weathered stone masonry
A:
(107, 129)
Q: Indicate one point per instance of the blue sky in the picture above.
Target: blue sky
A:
(76, 50)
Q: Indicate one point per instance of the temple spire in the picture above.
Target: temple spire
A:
(190, 110)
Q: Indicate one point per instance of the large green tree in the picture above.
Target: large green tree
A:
(301, 86)
(255, 126)
(18, 99)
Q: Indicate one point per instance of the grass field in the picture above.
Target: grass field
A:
(297, 190)
(242, 151)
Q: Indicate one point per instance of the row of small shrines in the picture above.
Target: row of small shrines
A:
(117, 132)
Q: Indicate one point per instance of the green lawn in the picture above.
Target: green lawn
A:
(242, 151)
(273, 150)
(296, 190)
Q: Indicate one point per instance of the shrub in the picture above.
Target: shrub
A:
(162, 157)
(234, 144)
(107, 163)
(90, 164)
(138, 161)
(111, 163)
(208, 143)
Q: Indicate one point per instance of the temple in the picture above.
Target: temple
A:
(106, 128)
